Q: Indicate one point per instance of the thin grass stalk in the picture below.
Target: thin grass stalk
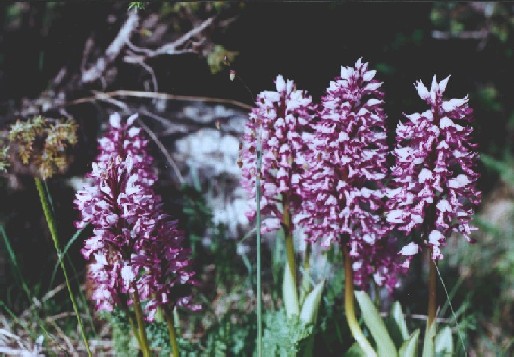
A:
(349, 306)
(14, 263)
(258, 228)
(53, 232)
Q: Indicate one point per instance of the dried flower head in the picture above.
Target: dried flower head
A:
(435, 174)
(41, 145)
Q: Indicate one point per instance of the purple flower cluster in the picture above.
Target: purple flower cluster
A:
(343, 191)
(134, 245)
(343, 188)
(435, 173)
(329, 164)
(280, 119)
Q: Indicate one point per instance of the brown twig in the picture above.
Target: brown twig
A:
(114, 49)
(138, 94)
(173, 47)
(165, 152)
(156, 95)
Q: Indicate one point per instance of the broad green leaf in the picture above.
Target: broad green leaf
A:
(399, 318)
(376, 326)
(410, 347)
(289, 293)
(311, 305)
(355, 351)
(444, 342)
(428, 342)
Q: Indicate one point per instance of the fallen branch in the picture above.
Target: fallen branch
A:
(165, 152)
(135, 94)
(96, 71)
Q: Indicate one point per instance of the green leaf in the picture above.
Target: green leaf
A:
(376, 326)
(444, 342)
(428, 343)
(62, 254)
(410, 347)
(399, 318)
(355, 351)
(289, 293)
(310, 307)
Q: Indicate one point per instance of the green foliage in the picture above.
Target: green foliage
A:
(158, 337)
(289, 294)
(124, 344)
(136, 5)
(444, 342)
(284, 336)
(229, 339)
(392, 337)
(310, 306)
(505, 167)
(488, 98)
(410, 347)
(197, 216)
(376, 325)
(429, 340)
(220, 57)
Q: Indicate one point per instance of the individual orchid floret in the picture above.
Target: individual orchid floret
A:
(434, 192)
(343, 191)
(278, 122)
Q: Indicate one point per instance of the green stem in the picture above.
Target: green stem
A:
(432, 290)
(259, 267)
(306, 283)
(143, 340)
(171, 330)
(350, 307)
(53, 232)
(286, 221)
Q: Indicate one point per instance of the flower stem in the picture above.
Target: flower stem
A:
(306, 284)
(258, 228)
(432, 290)
(50, 221)
(171, 330)
(350, 308)
(143, 341)
(286, 220)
